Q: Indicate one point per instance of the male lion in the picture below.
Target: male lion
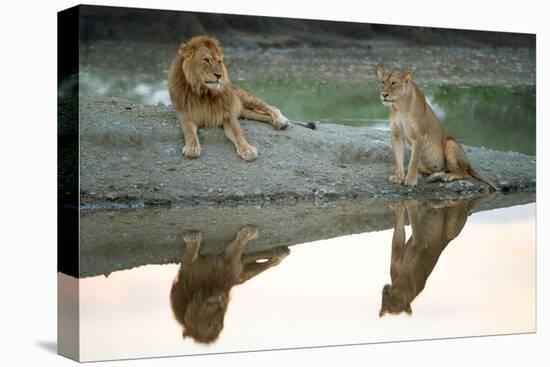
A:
(200, 293)
(412, 262)
(433, 151)
(204, 96)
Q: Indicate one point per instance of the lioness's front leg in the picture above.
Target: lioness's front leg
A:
(414, 220)
(234, 133)
(412, 170)
(398, 146)
(192, 148)
(398, 239)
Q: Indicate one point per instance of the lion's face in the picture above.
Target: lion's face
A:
(203, 64)
(394, 301)
(393, 86)
(203, 320)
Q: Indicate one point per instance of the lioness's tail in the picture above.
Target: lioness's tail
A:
(475, 174)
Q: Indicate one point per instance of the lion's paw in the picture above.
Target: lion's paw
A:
(248, 233)
(192, 237)
(283, 126)
(398, 206)
(191, 152)
(279, 121)
(282, 123)
(275, 257)
(396, 179)
(282, 252)
(247, 152)
(410, 181)
(436, 176)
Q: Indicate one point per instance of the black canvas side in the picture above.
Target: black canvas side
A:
(67, 141)
(68, 343)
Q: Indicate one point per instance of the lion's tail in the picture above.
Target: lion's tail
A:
(475, 174)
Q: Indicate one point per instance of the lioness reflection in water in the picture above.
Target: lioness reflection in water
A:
(412, 262)
(200, 293)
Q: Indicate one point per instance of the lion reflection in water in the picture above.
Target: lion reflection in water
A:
(412, 262)
(200, 293)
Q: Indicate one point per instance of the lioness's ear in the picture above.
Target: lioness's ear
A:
(407, 76)
(408, 310)
(382, 312)
(380, 72)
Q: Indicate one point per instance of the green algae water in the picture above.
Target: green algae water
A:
(495, 114)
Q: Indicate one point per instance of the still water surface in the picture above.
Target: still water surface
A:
(496, 117)
(480, 103)
(330, 292)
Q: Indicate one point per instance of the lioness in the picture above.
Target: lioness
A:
(204, 96)
(200, 292)
(412, 261)
(433, 151)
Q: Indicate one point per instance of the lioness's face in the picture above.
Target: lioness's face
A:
(393, 86)
(394, 301)
(203, 66)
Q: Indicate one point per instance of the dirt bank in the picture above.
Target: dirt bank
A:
(130, 155)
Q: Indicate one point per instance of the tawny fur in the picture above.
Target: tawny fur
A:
(204, 97)
(200, 292)
(434, 151)
(413, 261)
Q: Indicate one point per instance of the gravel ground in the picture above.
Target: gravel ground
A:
(130, 155)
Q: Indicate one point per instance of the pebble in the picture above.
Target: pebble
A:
(111, 196)
(321, 193)
(169, 153)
